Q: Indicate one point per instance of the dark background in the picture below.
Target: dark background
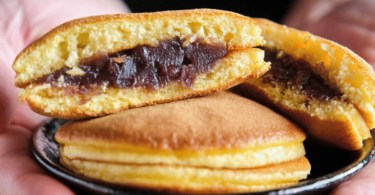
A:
(271, 9)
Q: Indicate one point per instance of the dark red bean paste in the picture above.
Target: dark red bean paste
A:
(150, 67)
(289, 72)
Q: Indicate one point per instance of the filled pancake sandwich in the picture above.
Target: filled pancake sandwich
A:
(322, 86)
(213, 144)
(99, 65)
(147, 92)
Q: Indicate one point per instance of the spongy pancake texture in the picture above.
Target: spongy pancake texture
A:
(193, 179)
(235, 68)
(336, 123)
(343, 123)
(351, 74)
(224, 158)
(67, 44)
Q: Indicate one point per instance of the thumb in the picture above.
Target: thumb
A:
(21, 22)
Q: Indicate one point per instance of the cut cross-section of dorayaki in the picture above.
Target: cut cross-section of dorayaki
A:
(216, 143)
(324, 87)
(99, 65)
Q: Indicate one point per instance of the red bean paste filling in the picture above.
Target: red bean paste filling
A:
(146, 66)
(289, 72)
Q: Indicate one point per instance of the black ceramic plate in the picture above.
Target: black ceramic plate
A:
(329, 167)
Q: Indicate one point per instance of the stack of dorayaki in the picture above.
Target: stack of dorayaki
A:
(144, 93)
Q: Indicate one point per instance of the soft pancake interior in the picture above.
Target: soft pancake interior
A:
(336, 64)
(67, 44)
(342, 121)
(215, 47)
(329, 119)
(233, 69)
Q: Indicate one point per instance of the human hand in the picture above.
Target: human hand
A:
(362, 183)
(21, 22)
(347, 22)
(350, 23)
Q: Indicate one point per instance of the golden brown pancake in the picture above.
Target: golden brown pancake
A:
(99, 65)
(322, 86)
(217, 143)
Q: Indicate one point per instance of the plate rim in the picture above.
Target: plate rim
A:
(97, 186)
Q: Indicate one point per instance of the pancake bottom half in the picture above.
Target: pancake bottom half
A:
(213, 144)
(193, 179)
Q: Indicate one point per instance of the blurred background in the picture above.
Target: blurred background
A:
(272, 9)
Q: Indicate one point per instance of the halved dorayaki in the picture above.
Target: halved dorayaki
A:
(324, 87)
(216, 143)
(103, 64)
